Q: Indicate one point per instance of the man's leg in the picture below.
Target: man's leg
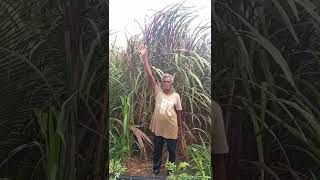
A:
(157, 153)
(171, 143)
(172, 149)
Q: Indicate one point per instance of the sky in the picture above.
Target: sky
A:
(123, 13)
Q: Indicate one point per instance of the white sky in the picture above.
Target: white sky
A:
(122, 15)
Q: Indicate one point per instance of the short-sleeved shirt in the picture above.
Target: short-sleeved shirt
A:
(164, 120)
(220, 145)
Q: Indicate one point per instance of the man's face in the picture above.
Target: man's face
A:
(166, 83)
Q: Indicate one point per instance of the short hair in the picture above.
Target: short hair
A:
(167, 75)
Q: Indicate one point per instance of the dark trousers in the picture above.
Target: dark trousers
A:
(158, 147)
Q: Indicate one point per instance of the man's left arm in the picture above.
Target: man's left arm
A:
(180, 123)
(179, 115)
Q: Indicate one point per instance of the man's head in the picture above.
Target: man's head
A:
(166, 82)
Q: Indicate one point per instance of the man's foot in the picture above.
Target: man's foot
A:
(156, 172)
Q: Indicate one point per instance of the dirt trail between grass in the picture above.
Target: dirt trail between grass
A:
(137, 167)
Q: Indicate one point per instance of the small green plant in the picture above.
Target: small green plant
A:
(115, 168)
(201, 160)
(178, 172)
(54, 146)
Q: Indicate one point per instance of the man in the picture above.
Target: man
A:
(220, 145)
(166, 117)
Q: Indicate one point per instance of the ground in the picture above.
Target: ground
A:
(139, 167)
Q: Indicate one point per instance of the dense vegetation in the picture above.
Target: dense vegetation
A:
(266, 76)
(52, 76)
(174, 47)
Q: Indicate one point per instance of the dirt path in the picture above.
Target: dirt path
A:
(137, 167)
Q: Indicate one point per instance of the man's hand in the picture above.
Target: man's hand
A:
(143, 49)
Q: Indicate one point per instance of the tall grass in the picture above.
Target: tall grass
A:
(52, 71)
(201, 160)
(270, 73)
(53, 133)
(173, 47)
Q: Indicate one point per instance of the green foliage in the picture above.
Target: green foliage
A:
(118, 147)
(121, 142)
(54, 142)
(201, 160)
(267, 68)
(53, 89)
(115, 168)
(179, 172)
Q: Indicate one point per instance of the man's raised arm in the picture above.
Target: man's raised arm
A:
(144, 54)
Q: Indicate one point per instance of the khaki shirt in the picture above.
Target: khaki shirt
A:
(220, 145)
(164, 120)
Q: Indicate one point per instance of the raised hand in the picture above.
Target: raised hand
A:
(144, 54)
(143, 49)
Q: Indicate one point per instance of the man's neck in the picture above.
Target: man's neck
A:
(167, 91)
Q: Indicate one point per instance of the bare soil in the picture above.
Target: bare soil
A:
(137, 166)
